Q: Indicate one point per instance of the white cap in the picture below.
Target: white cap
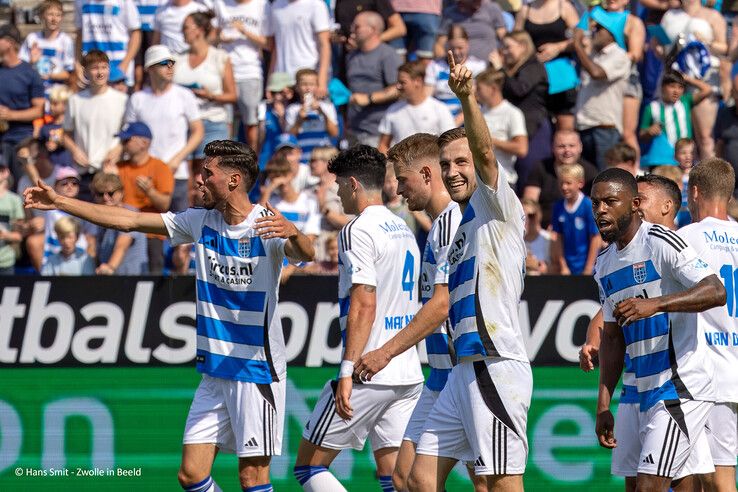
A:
(156, 54)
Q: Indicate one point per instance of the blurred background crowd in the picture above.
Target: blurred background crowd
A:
(113, 101)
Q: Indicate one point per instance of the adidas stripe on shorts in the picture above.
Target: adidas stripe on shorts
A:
(239, 417)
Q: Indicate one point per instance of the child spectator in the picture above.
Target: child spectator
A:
(69, 260)
(52, 133)
(623, 156)
(11, 212)
(118, 253)
(672, 114)
(51, 50)
(313, 121)
(577, 238)
(684, 155)
(537, 240)
(328, 266)
(506, 122)
(272, 113)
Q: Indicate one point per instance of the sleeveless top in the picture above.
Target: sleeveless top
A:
(549, 32)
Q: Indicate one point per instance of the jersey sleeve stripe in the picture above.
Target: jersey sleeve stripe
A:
(669, 240)
(671, 234)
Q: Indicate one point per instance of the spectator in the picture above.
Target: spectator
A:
(623, 156)
(684, 151)
(526, 87)
(118, 253)
(599, 110)
(52, 133)
(69, 260)
(312, 120)
(21, 98)
(169, 22)
(147, 15)
(416, 112)
(50, 50)
(482, 20)
(11, 214)
(329, 265)
(299, 37)
(506, 122)
(437, 72)
(208, 72)
(548, 23)
(147, 184)
(280, 88)
(542, 185)
(726, 128)
(332, 218)
(537, 240)
(346, 11)
(422, 19)
(93, 117)
(243, 26)
(371, 75)
(172, 114)
(577, 239)
(113, 27)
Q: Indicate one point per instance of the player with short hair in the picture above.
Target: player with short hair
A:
(710, 189)
(377, 297)
(239, 406)
(650, 280)
(481, 413)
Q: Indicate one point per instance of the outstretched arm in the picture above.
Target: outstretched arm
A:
(477, 132)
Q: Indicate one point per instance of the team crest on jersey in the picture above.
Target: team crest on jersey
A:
(639, 272)
(244, 247)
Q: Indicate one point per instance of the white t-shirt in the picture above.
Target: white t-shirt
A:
(378, 249)
(208, 75)
(168, 116)
(402, 119)
(245, 55)
(57, 55)
(239, 334)
(303, 212)
(295, 25)
(505, 121)
(168, 21)
(716, 243)
(95, 120)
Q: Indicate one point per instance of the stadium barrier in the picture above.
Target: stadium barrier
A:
(97, 382)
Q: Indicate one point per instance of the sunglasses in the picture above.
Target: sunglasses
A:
(165, 63)
(108, 194)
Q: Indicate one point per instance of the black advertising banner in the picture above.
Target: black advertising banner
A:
(74, 321)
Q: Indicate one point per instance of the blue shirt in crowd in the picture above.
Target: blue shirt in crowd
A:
(20, 84)
(576, 228)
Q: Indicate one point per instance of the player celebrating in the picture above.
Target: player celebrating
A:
(419, 181)
(710, 188)
(377, 295)
(240, 403)
(649, 278)
(481, 413)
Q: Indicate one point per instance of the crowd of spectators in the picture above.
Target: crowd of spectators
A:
(118, 110)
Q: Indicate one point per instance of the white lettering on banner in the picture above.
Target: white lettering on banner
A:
(299, 324)
(318, 351)
(38, 313)
(534, 339)
(172, 328)
(110, 334)
(565, 328)
(11, 431)
(9, 310)
(137, 324)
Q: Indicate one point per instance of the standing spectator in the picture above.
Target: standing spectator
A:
(112, 27)
(169, 22)
(313, 121)
(482, 20)
(526, 87)
(623, 156)
(599, 109)
(506, 122)
(437, 72)
(243, 26)
(280, 88)
(21, 97)
(147, 184)
(422, 19)
(50, 50)
(147, 14)
(577, 238)
(118, 253)
(93, 117)
(299, 36)
(346, 11)
(416, 112)
(371, 75)
(52, 133)
(69, 260)
(208, 72)
(172, 114)
(537, 240)
(11, 213)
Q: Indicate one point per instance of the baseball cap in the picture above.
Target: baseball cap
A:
(278, 81)
(10, 31)
(287, 140)
(116, 74)
(157, 54)
(135, 129)
(64, 172)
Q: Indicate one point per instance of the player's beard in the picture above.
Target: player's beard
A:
(621, 225)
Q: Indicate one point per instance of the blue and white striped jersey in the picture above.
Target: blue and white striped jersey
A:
(434, 270)
(239, 335)
(666, 352)
(378, 249)
(57, 55)
(313, 131)
(487, 266)
(716, 242)
(146, 12)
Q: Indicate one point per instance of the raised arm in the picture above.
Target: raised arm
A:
(461, 82)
